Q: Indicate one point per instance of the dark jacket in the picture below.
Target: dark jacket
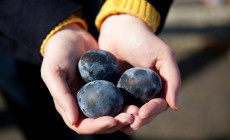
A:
(25, 23)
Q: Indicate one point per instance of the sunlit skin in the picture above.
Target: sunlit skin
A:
(131, 41)
(59, 72)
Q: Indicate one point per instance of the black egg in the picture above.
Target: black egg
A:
(142, 83)
(100, 98)
(99, 65)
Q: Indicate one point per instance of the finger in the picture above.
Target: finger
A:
(89, 125)
(147, 113)
(63, 115)
(95, 126)
(138, 122)
(153, 108)
(123, 119)
(131, 109)
(58, 87)
(127, 130)
(170, 74)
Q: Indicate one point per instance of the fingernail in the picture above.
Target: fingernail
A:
(129, 116)
(133, 118)
(69, 118)
(136, 124)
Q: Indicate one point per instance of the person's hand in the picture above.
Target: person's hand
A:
(60, 74)
(133, 42)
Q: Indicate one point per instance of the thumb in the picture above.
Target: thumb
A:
(59, 89)
(169, 71)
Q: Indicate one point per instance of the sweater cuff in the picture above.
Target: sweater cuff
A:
(68, 20)
(139, 8)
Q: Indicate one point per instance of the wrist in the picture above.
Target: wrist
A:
(64, 39)
(72, 19)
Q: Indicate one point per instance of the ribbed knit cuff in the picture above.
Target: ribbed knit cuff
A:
(139, 8)
(68, 20)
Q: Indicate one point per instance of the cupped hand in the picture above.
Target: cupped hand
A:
(133, 42)
(59, 72)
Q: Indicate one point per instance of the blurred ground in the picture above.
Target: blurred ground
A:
(200, 35)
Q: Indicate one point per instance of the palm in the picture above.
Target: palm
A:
(132, 42)
(60, 74)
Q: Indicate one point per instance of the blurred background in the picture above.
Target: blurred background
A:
(199, 32)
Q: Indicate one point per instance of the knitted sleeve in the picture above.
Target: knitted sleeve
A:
(150, 11)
